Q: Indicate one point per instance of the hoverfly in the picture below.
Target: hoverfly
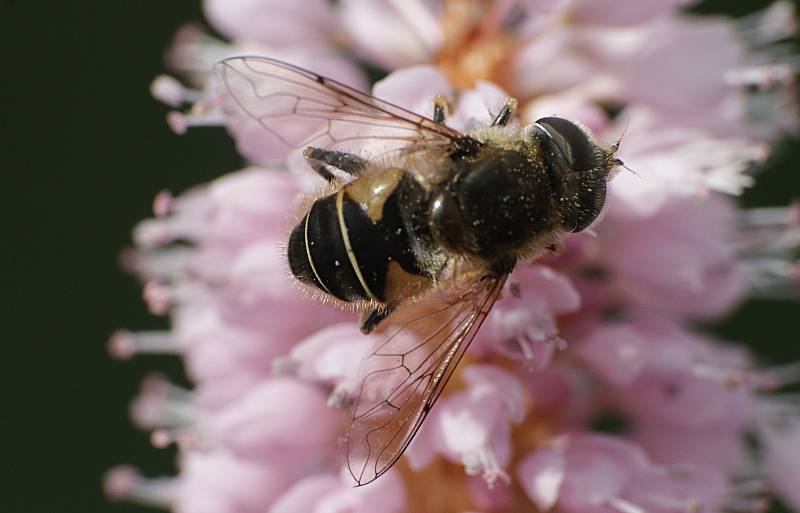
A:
(422, 233)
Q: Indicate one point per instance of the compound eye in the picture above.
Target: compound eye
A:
(574, 141)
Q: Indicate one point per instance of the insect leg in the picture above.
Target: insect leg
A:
(318, 158)
(372, 318)
(505, 113)
(502, 267)
(439, 109)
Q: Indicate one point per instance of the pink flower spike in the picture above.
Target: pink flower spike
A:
(261, 431)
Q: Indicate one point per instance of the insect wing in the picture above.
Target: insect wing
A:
(405, 375)
(286, 107)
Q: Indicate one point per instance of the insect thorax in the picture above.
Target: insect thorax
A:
(495, 204)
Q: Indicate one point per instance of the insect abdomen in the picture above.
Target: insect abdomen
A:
(351, 253)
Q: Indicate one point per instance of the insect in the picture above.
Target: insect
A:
(423, 232)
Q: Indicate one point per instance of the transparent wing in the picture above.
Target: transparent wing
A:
(405, 375)
(294, 108)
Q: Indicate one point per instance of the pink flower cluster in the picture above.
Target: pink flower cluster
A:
(588, 389)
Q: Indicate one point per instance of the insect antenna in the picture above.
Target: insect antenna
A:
(614, 147)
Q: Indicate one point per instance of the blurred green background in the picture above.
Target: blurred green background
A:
(84, 150)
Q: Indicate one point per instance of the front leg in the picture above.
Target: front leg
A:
(320, 158)
(439, 109)
(505, 114)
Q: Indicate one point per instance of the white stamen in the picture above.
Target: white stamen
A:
(195, 51)
(668, 503)
(752, 486)
(126, 483)
(764, 77)
(775, 23)
(768, 243)
(774, 279)
(341, 397)
(624, 506)
(170, 91)
(161, 404)
(727, 376)
(162, 203)
(184, 439)
(123, 344)
(748, 505)
(784, 375)
(158, 297)
(164, 264)
(180, 122)
(771, 216)
(484, 462)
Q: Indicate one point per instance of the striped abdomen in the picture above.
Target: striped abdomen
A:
(354, 244)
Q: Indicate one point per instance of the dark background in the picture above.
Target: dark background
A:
(84, 149)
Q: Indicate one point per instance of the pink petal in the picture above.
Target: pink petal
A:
(552, 51)
(467, 425)
(215, 482)
(541, 474)
(477, 107)
(408, 33)
(272, 22)
(387, 494)
(277, 416)
(331, 354)
(616, 353)
(489, 381)
(622, 12)
(304, 495)
(581, 471)
(715, 449)
(414, 88)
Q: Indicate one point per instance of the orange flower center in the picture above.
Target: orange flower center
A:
(477, 46)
